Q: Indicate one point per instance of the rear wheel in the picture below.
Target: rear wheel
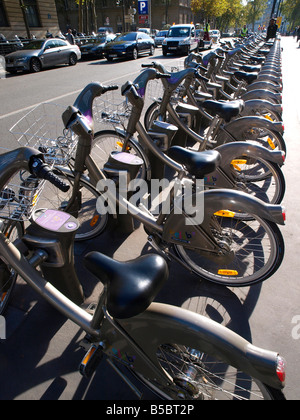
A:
(199, 376)
(247, 251)
(73, 59)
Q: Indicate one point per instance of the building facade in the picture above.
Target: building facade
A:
(122, 15)
(28, 17)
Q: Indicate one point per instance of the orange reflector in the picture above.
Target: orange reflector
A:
(225, 213)
(120, 144)
(272, 145)
(235, 163)
(89, 355)
(268, 117)
(94, 220)
(228, 273)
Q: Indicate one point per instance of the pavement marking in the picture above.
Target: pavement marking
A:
(2, 117)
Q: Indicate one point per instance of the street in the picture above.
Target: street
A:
(40, 357)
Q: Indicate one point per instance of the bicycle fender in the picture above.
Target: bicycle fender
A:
(230, 151)
(239, 129)
(166, 324)
(262, 94)
(253, 104)
(238, 201)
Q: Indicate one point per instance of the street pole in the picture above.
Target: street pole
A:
(23, 8)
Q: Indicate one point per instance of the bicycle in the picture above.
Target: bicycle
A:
(174, 352)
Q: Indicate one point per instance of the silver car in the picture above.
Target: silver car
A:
(39, 54)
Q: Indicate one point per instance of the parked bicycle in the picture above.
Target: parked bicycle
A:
(176, 353)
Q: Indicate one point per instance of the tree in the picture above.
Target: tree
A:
(291, 11)
(255, 10)
(211, 8)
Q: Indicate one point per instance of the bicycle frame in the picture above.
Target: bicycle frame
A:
(134, 341)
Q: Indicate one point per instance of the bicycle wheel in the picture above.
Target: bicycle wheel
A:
(260, 178)
(151, 115)
(84, 207)
(8, 277)
(107, 141)
(250, 251)
(198, 376)
(272, 140)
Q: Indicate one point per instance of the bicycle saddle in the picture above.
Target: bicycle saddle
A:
(131, 286)
(198, 164)
(248, 77)
(224, 109)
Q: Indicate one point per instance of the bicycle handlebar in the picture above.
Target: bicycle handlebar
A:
(41, 170)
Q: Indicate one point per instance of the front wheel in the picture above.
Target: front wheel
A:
(35, 65)
(135, 54)
(84, 207)
(248, 251)
(199, 376)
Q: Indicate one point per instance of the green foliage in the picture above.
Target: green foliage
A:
(291, 10)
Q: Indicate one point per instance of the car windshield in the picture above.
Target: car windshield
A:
(127, 37)
(34, 45)
(163, 33)
(179, 32)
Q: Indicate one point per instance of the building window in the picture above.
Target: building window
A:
(32, 13)
(3, 16)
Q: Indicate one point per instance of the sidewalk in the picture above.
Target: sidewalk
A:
(40, 357)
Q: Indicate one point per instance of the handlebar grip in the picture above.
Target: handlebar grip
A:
(147, 66)
(109, 88)
(43, 171)
(163, 76)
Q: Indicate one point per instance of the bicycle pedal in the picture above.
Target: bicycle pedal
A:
(91, 361)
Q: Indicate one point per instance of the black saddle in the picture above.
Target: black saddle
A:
(248, 77)
(251, 69)
(131, 286)
(224, 109)
(198, 164)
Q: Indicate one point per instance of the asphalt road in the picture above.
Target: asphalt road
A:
(40, 357)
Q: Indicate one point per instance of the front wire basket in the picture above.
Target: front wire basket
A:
(42, 128)
(20, 196)
(111, 109)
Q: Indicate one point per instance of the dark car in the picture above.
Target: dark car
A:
(129, 45)
(94, 48)
(39, 54)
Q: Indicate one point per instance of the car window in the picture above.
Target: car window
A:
(127, 37)
(50, 44)
(179, 32)
(34, 45)
(60, 43)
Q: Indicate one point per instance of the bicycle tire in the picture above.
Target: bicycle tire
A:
(263, 247)
(107, 141)
(261, 179)
(91, 222)
(198, 376)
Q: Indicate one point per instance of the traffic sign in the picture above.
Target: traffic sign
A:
(143, 7)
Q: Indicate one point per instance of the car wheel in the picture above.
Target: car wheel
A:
(152, 50)
(135, 54)
(35, 65)
(164, 51)
(110, 59)
(73, 59)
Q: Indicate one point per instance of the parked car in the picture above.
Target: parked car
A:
(215, 35)
(105, 30)
(39, 54)
(180, 39)
(94, 48)
(159, 37)
(130, 45)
